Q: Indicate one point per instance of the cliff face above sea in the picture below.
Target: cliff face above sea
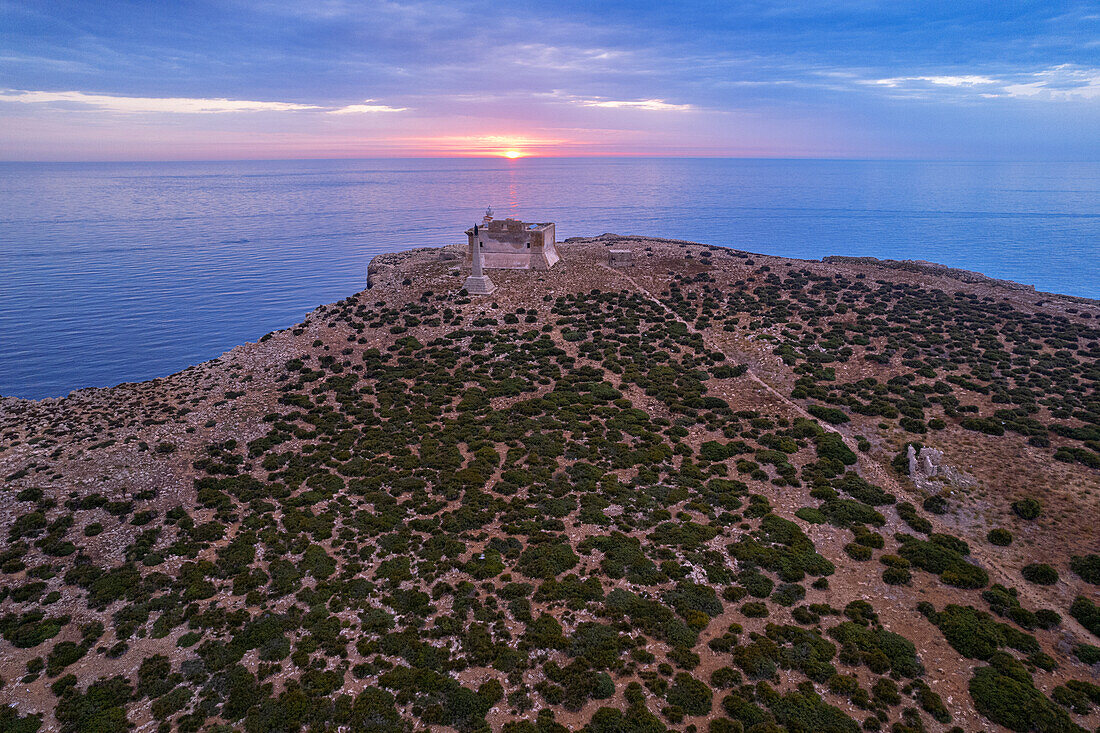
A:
(712, 489)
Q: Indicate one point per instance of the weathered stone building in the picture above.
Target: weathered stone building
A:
(510, 244)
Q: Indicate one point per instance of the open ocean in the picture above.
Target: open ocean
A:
(115, 272)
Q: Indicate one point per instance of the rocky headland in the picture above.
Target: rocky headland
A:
(710, 491)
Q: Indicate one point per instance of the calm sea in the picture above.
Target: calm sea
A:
(124, 272)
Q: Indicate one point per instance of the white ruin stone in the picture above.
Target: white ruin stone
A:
(929, 472)
(511, 244)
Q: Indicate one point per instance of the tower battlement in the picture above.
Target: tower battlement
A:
(511, 244)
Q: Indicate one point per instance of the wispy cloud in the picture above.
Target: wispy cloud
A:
(1059, 83)
(968, 80)
(564, 58)
(185, 105)
(367, 107)
(653, 105)
(1062, 83)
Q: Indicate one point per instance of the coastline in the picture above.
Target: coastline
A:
(382, 269)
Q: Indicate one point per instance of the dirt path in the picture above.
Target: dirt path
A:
(715, 347)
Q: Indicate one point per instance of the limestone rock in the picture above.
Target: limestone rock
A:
(929, 472)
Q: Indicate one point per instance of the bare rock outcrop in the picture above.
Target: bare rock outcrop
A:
(930, 473)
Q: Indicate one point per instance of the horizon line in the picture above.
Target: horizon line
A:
(536, 156)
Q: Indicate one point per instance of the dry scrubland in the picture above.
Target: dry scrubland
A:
(672, 496)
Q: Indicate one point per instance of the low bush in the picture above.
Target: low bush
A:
(1039, 574)
(942, 556)
(935, 504)
(1027, 508)
(547, 560)
(805, 710)
(788, 594)
(692, 696)
(1087, 613)
(896, 576)
(910, 516)
(102, 707)
(1087, 653)
(858, 552)
(754, 609)
(1086, 567)
(828, 414)
(879, 649)
(1005, 694)
(782, 547)
(977, 635)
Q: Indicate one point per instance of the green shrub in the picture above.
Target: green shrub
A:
(62, 655)
(1047, 619)
(12, 722)
(935, 504)
(171, 703)
(687, 596)
(909, 515)
(977, 635)
(747, 714)
(999, 537)
(811, 515)
(931, 702)
(1076, 695)
(846, 512)
(1087, 567)
(788, 594)
(805, 710)
(1087, 653)
(725, 678)
(1005, 694)
(1087, 613)
(546, 560)
(896, 576)
(830, 446)
(757, 584)
(986, 425)
(782, 547)
(858, 552)
(651, 617)
(1005, 602)
(101, 708)
(942, 557)
(863, 491)
(828, 414)
(31, 628)
(1040, 574)
(877, 645)
(689, 694)
(726, 371)
(754, 609)
(1027, 508)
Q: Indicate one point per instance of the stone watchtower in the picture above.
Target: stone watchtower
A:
(511, 244)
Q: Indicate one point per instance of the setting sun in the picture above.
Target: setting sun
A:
(513, 154)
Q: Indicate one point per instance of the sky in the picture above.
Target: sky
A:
(278, 79)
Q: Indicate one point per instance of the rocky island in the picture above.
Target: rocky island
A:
(708, 491)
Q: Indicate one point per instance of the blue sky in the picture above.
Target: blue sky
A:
(333, 78)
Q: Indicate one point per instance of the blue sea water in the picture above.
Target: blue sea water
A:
(113, 272)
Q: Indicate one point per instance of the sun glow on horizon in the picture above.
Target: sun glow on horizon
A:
(513, 154)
